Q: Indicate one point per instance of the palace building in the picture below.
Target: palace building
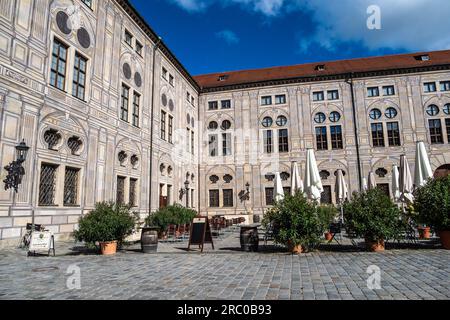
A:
(110, 113)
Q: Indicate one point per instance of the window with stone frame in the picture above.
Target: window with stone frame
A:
(213, 105)
(333, 94)
(326, 196)
(192, 142)
(384, 187)
(120, 193)
(228, 198)
(429, 87)
(393, 132)
(170, 129)
(71, 183)
(283, 140)
(377, 135)
(214, 199)
(447, 125)
(125, 99)
(373, 92)
(136, 108)
(266, 101)
(128, 38)
(133, 192)
(435, 127)
(163, 125)
(79, 77)
(268, 141)
(58, 65)
(388, 90)
(74, 143)
(280, 99)
(321, 138)
(226, 144)
(139, 48)
(47, 184)
(87, 3)
(318, 96)
(52, 137)
(287, 190)
(445, 85)
(336, 137)
(226, 104)
(269, 196)
(213, 145)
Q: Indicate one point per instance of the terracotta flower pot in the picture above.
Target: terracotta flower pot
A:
(424, 233)
(108, 248)
(375, 246)
(328, 236)
(295, 249)
(445, 239)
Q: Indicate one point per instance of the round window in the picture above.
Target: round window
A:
(335, 116)
(267, 122)
(281, 121)
(433, 110)
(320, 117)
(391, 113)
(226, 125)
(375, 114)
(447, 108)
(213, 125)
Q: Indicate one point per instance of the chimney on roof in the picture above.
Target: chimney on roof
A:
(320, 67)
(422, 57)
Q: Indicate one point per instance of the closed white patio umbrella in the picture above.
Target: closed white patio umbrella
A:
(365, 187)
(405, 181)
(278, 192)
(395, 183)
(296, 181)
(341, 191)
(372, 183)
(313, 183)
(423, 170)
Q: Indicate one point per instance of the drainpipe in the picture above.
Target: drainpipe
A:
(349, 80)
(155, 48)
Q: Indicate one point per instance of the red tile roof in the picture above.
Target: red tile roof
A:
(373, 64)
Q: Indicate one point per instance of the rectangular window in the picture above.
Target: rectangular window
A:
(47, 185)
(214, 198)
(226, 104)
(71, 186)
(170, 129)
(128, 38)
(163, 125)
(125, 97)
(384, 187)
(164, 73)
(283, 140)
(59, 65)
(120, 195)
(436, 131)
(280, 99)
(193, 101)
(139, 48)
(266, 101)
(377, 135)
(188, 139)
(318, 96)
(287, 190)
(445, 85)
(321, 138)
(171, 80)
(226, 144)
(213, 145)
(192, 142)
(269, 196)
(133, 193)
(268, 141)
(393, 134)
(88, 3)
(373, 92)
(388, 91)
(333, 95)
(188, 96)
(336, 137)
(326, 197)
(447, 125)
(228, 198)
(429, 87)
(136, 108)
(213, 105)
(79, 77)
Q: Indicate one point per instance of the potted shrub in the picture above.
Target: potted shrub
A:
(106, 226)
(432, 202)
(372, 215)
(295, 223)
(327, 215)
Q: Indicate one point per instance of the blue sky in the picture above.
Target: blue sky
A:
(224, 35)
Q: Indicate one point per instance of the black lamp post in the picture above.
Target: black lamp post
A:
(15, 168)
(186, 190)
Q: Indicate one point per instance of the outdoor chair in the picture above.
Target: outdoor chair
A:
(335, 229)
(171, 232)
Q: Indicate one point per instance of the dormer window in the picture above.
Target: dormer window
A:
(423, 57)
(320, 67)
(223, 77)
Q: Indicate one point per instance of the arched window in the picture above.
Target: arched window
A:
(267, 122)
(281, 121)
(375, 114)
(433, 110)
(335, 116)
(391, 113)
(320, 117)
(213, 125)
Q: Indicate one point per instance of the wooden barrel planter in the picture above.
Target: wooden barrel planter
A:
(149, 240)
(249, 238)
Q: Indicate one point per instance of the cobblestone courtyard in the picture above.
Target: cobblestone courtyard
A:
(225, 273)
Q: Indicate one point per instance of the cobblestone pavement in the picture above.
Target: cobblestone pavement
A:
(226, 273)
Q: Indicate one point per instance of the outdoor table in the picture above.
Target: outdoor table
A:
(249, 237)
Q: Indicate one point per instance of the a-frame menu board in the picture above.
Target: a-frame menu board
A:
(200, 232)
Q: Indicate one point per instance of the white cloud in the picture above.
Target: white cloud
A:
(229, 36)
(266, 7)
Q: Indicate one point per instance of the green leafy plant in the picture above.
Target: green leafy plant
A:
(109, 221)
(373, 216)
(432, 203)
(327, 214)
(295, 222)
(175, 214)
